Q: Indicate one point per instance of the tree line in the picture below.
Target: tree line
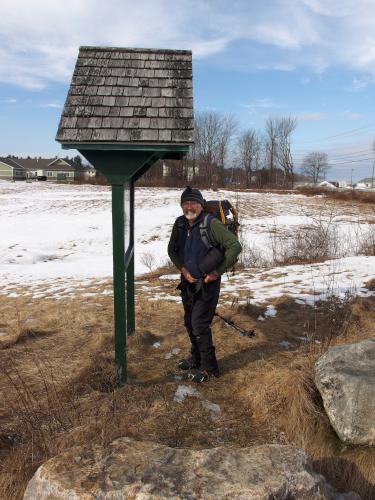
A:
(224, 155)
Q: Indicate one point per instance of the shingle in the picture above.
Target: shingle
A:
(168, 92)
(165, 135)
(104, 90)
(149, 135)
(109, 100)
(140, 111)
(158, 123)
(135, 135)
(114, 111)
(117, 90)
(140, 101)
(70, 122)
(132, 91)
(131, 123)
(112, 122)
(144, 122)
(152, 112)
(123, 135)
(151, 92)
(182, 135)
(94, 122)
(104, 134)
(95, 100)
(129, 95)
(126, 111)
(121, 101)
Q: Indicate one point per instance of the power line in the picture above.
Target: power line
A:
(341, 134)
(336, 156)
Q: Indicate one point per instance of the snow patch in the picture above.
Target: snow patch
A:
(173, 352)
(184, 391)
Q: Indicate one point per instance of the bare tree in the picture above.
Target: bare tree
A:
(315, 165)
(248, 149)
(213, 134)
(285, 127)
(228, 126)
(271, 143)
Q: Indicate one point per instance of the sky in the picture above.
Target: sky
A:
(311, 59)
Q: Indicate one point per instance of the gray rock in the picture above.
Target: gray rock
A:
(345, 377)
(128, 469)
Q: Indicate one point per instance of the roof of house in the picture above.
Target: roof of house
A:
(42, 163)
(122, 95)
(12, 162)
(34, 163)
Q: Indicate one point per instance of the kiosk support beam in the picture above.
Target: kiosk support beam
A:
(119, 281)
(130, 319)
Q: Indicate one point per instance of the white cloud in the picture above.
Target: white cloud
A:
(352, 116)
(52, 105)
(311, 116)
(39, 40)
(11, 100)
(263, 104)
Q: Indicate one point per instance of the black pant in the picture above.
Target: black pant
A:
(200, 303)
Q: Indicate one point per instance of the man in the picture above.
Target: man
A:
(199, 288)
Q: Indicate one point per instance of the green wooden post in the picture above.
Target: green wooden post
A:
(119, 281)
(130, 319)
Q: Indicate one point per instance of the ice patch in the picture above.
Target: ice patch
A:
(173, 352)
(213, 408)
(270, 312)
(286, 344)
(172, 277)
(183, 391)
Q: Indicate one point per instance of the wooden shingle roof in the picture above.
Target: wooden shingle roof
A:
(121, 95)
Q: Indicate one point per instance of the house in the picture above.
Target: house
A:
(328, 185)
(11, 170)
(367, 183)
(32, 165)
(62, 169)
(53, 169)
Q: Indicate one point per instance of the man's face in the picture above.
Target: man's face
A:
(191, 209)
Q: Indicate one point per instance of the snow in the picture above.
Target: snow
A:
(56, 241)
(172, 353)
(183, 391)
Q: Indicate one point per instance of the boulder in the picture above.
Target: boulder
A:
(345, 378)
(140, 470)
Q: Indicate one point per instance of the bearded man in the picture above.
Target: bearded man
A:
(201, 269)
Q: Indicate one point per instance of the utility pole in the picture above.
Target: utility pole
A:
(351, 179)
(372, 178)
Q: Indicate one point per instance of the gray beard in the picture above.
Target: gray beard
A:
(191, 216)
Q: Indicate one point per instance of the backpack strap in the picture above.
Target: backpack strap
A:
(205, 231)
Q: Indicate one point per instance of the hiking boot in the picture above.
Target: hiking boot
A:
(200, 376)
(187, 364)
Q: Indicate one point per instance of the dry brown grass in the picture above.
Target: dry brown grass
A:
(347, 195)
(59, 386)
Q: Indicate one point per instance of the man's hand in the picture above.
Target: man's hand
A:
(188, 276)
(211, 277)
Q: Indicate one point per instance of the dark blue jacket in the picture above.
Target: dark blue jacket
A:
(190, 247)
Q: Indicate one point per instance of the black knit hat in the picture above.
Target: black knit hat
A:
(192, 194)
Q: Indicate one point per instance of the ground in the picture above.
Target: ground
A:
(56, 329)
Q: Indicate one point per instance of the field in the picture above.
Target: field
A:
(305, 281)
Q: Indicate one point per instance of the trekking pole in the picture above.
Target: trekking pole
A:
(241, 331)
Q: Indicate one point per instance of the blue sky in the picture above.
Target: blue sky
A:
(311, 59)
